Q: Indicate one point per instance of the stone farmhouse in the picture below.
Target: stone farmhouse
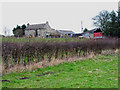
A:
(44, 30)
(39, 30)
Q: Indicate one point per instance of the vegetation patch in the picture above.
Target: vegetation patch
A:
(16, 53)
(98, 72)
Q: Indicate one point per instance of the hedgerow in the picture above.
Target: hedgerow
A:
(27, 52)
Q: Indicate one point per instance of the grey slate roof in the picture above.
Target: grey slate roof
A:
(65, 32)
(91, 31)
(36, 26)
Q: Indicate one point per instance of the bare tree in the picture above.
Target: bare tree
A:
(100, 21)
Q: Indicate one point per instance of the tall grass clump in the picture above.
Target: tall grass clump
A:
(26, 52)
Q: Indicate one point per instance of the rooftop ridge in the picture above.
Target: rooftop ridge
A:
(37, 24)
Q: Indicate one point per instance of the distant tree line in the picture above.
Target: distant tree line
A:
(108, 22)
(19, 31)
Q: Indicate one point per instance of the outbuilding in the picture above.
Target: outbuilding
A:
(95, 33)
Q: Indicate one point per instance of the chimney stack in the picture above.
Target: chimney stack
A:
(28, 24)
(46, 22)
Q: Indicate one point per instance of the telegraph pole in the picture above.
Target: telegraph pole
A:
(5, 31)
(81, 26)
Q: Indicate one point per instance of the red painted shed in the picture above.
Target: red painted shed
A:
(98, 34)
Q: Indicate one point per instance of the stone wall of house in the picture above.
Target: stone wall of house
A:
(30, 33)
(53, 31)
(45, 32)
(41, 32)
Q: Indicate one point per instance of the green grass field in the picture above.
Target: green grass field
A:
(23, 39)
(98, 72)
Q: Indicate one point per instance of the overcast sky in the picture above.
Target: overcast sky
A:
(60, 15)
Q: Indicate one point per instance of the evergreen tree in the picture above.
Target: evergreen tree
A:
(19, 30)
(85, 30)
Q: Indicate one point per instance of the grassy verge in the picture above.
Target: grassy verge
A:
(98, 72)
(23, 39)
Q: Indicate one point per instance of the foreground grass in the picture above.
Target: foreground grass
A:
(99, 72)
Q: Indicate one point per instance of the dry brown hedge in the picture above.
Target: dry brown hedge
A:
(26, 52)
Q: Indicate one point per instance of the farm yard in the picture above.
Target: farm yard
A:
(59, 63)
